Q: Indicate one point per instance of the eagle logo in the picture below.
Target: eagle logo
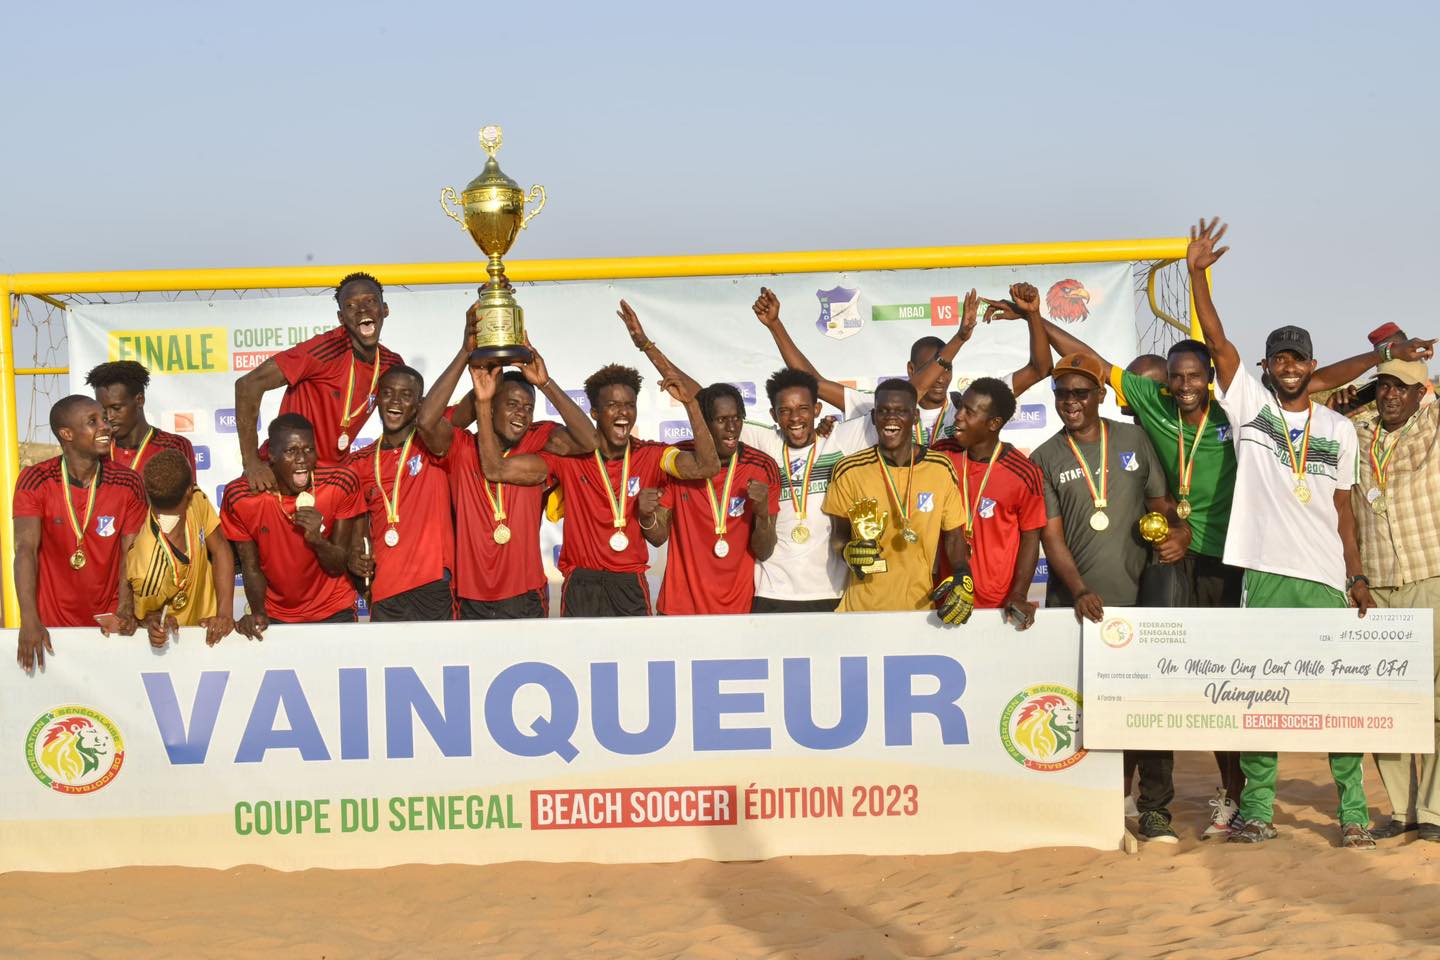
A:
(1068, 301)
(1040, 727)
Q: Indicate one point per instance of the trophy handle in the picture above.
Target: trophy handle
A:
(535, 191)
(448, 194)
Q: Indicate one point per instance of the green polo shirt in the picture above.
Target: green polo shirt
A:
(1212, 483)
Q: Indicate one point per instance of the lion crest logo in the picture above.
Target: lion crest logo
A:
(1040, 727)
(74, 749)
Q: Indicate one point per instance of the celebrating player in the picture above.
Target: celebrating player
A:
(75, 517)
(293, 541)
(717, 527)
(894, 506)
(181, 568)
(329, 380)
(120, 391)
(1024, 304)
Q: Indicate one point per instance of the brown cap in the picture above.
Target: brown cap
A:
(1408, 372)
(1082, 363)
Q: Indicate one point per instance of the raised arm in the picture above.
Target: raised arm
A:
(1024, 304)
(1341, 372)
(924, 378)
(578, 435)
(524, 469)
(248, 391)
(703, 462)
(767, 311)
(436, 432)
(1199, 257)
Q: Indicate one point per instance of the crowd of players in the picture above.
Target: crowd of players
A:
(908, 502)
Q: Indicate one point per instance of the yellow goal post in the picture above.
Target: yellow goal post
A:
(1165, 298)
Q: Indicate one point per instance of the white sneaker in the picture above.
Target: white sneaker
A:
(1131, 810)
(1222, 817)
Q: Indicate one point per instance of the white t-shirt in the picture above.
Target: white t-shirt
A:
(859, 403)
(809, 570)
(1270, 529)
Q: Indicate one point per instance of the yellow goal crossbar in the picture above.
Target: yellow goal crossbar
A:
(50, 285)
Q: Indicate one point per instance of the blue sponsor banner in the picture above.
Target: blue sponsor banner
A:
(1042, 571)
(202, 458)
(577, 395)
(674, 431)
(1030, 416)
(225, 420)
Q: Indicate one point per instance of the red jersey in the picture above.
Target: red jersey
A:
(589, 519)
(318, 372)
(696, 580)
(426, 548)
(487, 570)
(70, 597)
(1012, 501)
(137, 457)
(298, 590)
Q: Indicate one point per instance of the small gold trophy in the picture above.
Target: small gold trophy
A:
(867, 522)
(494, 214)
(1155, 528)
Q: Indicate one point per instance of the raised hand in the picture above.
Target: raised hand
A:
(260, 477)
(1001, 310)
(968, 314)
(472, 325)
(311, 522)
(1025, 297)
(486, 381)
(535, 371)
(758, 492)
(626, 313)
(1413, 349)
(826, 425)
(1202, 253)
(683, 389)
(767, 307)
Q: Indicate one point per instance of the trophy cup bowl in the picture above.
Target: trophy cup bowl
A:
(867, 522)
(1154, 527)
(492, 211)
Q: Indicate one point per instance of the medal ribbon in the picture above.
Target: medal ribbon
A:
(497, 499)
(392, 505)
(1097, 495)
(78, 527)
(350, 390)
(1187, 469)
(170, 558)
(1297, 461)
(139, 451)
(719, 505)
(971, 507)
(617, 503)
(799, 498)
(1379, 457)
(939, 424)
(901, 504)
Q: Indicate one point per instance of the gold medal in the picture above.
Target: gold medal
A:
(1187, 464)
(910, 535)
(799, 493)
(722, 549)
(501, 534)
(179, 601)
(1182, 509)
(364, 407)
(800, 533)
(180, 575)
(1379, 505)
(617, 499)
(78, 524)
(902, 504)
(1099, 520)
(1302, 493)
(972, 507)
(344, 441)
(77, 559)
(1099, 492)
(392, 502)
(719, 504)
(618, 541)
(1380, 464)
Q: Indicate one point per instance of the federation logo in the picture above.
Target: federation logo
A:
(839, 312)
(1040, 727)
(1117, 632)
(73, 749)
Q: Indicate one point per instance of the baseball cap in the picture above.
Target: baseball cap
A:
(1382, 333)
(1408, 372)
(1294, 339)
(1082, 363)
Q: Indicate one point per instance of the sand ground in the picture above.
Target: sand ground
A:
(1297, 896)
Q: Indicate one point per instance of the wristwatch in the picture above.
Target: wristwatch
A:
(944, 364)
(1358, 578)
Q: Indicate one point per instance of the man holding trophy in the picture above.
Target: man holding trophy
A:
(913, 491)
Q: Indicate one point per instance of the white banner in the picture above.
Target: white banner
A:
(1260, 679)
(855, 327)
(601, 740)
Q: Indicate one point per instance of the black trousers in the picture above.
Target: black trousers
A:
(429, 601)
(770, 605)
(339, 616)
(1157, 778)
(527, 606)
(603, 593)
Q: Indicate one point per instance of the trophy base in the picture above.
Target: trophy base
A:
(500, 355)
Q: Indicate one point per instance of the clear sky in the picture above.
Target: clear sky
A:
(187, 134)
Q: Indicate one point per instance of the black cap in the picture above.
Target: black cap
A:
(1294, 339)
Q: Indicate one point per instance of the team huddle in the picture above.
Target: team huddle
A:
(910, 501)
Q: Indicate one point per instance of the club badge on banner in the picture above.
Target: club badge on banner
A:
(856, 327)
(371, 745)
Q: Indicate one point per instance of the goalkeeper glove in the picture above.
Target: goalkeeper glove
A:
(955, 598)
(861, 553)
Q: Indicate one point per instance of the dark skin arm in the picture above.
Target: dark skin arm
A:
(331, 551)
(222, 572)
(254, 623)
(361, 562)
(1173, 548)
(654, 519)
(523, 469)
(767, 311)
(435, 431)
(924, 378)
(1200, 256)
(762, 533)
(1024, 303)
(840, 534)
(957, 551)
(1359, 595)
(248, 391)
(1062, 565)
(1352, 368)
(34, 637)
(578, 436)
(1026, 560)
(126, 624)
(703, 461)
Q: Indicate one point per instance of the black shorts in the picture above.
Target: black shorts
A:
(532, 605)
(603, 593)
(429, 601)
(1194, 581)
(769, 605)
(346, 615)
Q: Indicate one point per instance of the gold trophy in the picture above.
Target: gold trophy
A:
(867, 522)
(494, 214)
(1155, 528)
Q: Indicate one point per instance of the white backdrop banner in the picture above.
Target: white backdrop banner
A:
(855, 327)
(601, 740)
